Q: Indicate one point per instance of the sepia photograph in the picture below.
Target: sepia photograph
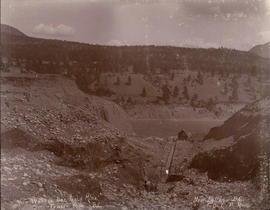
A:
(135, 104)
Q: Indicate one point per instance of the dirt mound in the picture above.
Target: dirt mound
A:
(91, 155)
(15, 138)
(96, 156)
(241, 145)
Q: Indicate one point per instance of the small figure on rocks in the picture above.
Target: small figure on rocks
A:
(147, 185)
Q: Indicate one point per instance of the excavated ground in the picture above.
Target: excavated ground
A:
(61, 150)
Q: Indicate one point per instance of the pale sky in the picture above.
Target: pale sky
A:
(238, 24)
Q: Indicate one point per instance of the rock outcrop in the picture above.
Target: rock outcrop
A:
(238, 149)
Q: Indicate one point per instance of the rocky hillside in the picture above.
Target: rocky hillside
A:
(262, 50)
(46, 118)
(49, 112)
(238, 149)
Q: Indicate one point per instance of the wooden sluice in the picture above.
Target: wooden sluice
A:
(167, 171)
(169, 161)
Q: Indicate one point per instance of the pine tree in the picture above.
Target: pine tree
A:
(128, 81)
(129, 100)
(188, 78)
(200, 78)
(185, 93)
(165, 93)
(117, 82)
(225, 88)
(172, 76)
(193, 100)
(235, 85)
(175, 91)
(143, 94)
(210, 104)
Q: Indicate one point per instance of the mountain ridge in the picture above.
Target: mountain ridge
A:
(262, 50)
(10, 30)
(143, 59)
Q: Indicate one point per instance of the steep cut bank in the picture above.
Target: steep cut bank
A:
(239, 149)
(59, 93)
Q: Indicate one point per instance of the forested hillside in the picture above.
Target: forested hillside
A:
(143, 58)
(130, 74)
